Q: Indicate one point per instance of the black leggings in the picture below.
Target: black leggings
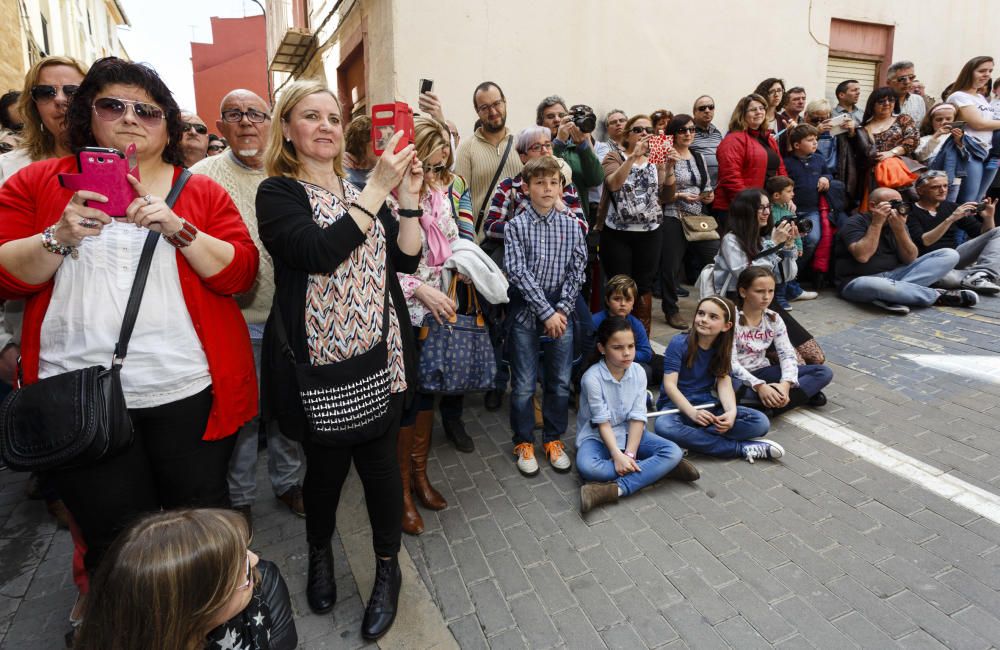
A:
(378, 467)
(632, 253)
(674, 247)
(167, 466)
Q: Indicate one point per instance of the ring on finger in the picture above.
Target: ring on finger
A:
(88, 223)
(148, 199)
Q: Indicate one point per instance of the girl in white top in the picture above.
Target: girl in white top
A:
(976, 112)
(783, 386)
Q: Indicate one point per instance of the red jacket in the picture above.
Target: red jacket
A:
(742, 164)
(32, 200)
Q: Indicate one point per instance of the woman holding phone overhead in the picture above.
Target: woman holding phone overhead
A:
(188, 380)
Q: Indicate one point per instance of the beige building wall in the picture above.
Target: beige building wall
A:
(12, 63)
(641, 55)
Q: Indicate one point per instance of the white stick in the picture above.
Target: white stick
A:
(672, 411)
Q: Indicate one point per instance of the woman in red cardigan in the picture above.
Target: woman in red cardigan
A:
(189, 378)
(748, 155)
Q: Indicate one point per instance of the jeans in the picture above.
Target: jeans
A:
(706, 440)
(655, 456)
(167, 466)
(979, 176)
(812, 378)
(907, 285)
(283, 455)
(980, 253)
(524, 346)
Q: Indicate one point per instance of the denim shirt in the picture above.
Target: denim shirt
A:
(605, 399)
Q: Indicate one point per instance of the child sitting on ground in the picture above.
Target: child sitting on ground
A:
(619, 298)
(781, 387)
(693, 364)
(613, 447)
(545, 255)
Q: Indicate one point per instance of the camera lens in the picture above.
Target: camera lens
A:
(804, 225)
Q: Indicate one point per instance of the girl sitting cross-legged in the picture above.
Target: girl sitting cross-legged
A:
(783, 386)
(613, 448)
(693, 364)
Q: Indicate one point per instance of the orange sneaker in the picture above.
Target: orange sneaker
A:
(558, 458)
(526, 463)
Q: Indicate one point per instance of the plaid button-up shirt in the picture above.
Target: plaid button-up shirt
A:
(545, 255)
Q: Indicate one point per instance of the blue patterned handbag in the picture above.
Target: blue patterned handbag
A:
(457, 355)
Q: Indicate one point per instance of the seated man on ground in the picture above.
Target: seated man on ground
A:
(878, 262)
(937, 222)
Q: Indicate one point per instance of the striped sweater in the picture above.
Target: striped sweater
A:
(477, 161)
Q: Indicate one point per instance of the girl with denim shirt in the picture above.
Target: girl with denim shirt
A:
(614, 452)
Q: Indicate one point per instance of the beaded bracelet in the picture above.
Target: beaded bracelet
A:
(368, 212)
(50, 244)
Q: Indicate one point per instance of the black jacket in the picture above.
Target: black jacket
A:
(274, 594)
(299, 247)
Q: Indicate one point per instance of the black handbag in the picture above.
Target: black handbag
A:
(346, 402)
(77, 418)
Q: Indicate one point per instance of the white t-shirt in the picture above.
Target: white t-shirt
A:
(961, 99)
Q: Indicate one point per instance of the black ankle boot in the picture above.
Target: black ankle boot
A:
(381, 609)
(321, 590)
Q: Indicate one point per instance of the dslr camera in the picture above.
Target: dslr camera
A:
(583, 117)
(804, 224)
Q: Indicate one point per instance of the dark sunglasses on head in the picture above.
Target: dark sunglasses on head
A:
(642, 129)
(707, 107)
(200, 129)
(437, 169)
(236, 115)
(112, 108)
(46, 92)
(5, 147)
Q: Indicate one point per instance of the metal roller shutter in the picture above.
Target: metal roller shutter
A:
(839, 69)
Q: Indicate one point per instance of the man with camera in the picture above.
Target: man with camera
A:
(571, 141)
(937, 222)
(879, 263)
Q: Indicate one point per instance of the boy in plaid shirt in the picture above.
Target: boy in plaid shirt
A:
(545, 256)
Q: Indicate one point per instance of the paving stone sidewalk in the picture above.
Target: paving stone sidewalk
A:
(822, 549)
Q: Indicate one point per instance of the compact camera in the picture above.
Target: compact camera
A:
(901, 207)
(583, 117)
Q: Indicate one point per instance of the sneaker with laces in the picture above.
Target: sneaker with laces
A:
(764, 449)
(558, 458)
(958, 298)
(526, 463)
(980, 282)
(806, 295)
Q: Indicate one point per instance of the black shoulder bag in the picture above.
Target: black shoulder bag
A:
(493, 184)
(78, 418)
(346, 402)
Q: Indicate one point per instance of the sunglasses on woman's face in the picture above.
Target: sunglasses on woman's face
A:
(110, 109)
(885, 100)
(47, 93)
(642, 129)
(5, 147)
(434, 169)
(687, 129)
(200, 129)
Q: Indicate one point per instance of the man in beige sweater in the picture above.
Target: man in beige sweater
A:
(478, 157)
(245, 122)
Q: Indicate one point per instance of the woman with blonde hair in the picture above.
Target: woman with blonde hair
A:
(185, 579)
(49, 87)
(338, 310)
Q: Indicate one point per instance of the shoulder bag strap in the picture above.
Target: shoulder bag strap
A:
(141, 273)
(493, 183)
(702, 169)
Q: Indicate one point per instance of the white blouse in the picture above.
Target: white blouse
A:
(165, 361)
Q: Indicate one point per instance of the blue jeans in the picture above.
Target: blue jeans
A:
(979, 176)
(907, 285)
(524, 346)
(812, 378)
(656, 457)
(706, 440)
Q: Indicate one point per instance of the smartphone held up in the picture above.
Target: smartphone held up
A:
(105, 171)
(387, 119)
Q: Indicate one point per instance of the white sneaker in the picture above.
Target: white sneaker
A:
(980, 282)
(558, 458)
(892, 307)
(526, 463)
(765, 449)
(806, 295)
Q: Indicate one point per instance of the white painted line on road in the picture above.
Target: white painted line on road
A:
(981, 367)
(978, 500)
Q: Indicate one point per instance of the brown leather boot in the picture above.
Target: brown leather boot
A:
(413, 523)
(643, 310)
(428, 496)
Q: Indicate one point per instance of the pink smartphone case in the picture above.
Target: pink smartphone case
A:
(658, 146)
(104, 173)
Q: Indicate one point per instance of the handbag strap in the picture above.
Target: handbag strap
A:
(493, 183)
(699, 162)
(141, 273)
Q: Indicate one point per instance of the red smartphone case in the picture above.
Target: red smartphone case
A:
(386, 120)
(104, 171)
(658, 147)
